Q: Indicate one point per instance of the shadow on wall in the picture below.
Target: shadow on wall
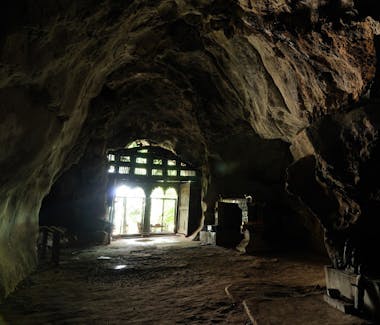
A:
(77, 201)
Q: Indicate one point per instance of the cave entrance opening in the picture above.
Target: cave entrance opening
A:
(151, 191)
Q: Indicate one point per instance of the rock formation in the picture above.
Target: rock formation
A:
(255, 93)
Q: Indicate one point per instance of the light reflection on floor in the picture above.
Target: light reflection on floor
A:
(157, 241)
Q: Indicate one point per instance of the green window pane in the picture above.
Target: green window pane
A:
(172, 172)
(157, 172)
(140, 171)
(125, 158)
(123, 170)
(141, 160)
(188, 173)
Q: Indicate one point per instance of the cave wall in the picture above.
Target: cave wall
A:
(185, 73)
(338, 181)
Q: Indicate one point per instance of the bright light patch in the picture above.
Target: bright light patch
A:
(122, 190)
(125, 191)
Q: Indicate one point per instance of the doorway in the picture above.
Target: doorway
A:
(163, 210)
(129, 206)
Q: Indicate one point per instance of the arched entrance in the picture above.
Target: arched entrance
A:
(129, 205)
(163, 210)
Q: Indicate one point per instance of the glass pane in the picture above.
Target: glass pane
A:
(141, 160)
(171, 193)
(169, 215)
(183, 164)
(124, 170)
(172, 162)
(111, 157)
(136, 192)
(111, 169)
(140, 171)
(157, 161)
(122, 190)
(158, 192)
(143, 150)
(187, 173)
(172, 172)
(125, 158)
(156, 214)
(118, 218)
(129, 207)
(157, 172)
(134, 213)
(126, 191)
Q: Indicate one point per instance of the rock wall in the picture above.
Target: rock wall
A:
(192, 74)
(339, 182)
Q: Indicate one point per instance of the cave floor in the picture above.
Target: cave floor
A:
(171, 280)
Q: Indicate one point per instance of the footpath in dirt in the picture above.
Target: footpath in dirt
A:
(171, 280)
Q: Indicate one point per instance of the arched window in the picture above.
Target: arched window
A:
(125, 191)
(171, 193)
(158, 193)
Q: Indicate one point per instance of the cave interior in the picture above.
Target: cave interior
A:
(184, 108)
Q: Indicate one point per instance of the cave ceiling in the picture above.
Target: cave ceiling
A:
(191, 67)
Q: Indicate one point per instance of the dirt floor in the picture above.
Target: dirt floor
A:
(170, 280)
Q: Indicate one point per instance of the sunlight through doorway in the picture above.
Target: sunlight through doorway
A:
(163, 210)
(129, 207)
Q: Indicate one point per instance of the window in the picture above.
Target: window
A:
(125, 191)
(157, 164)
(171, 193)
(172, 172)
(188, 173)
(140, 171)
(125, 158)
(141, 160)
(157, 172)
(123, 170)
(157, 193)
(171, 162)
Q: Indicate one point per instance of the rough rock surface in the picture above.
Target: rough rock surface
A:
(195, 76)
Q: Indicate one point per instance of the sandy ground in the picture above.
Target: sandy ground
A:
(169, 280)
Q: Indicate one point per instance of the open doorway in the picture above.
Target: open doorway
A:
(129, 206)
(163, 210)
